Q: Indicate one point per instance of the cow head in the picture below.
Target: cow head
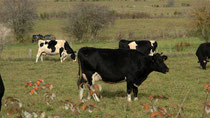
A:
(73, 55)
(158, 63)
(203, 63)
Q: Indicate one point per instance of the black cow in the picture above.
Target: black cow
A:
(115, 65)
(37, 37)
(1, 90)
(49, 37)
(53, 47)
(144, 46)
(203, 53)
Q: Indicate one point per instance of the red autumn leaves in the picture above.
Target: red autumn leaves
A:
(36, 85)
(156, 111)
(207, 86)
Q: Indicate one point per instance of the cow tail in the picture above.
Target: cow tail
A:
(79, 81)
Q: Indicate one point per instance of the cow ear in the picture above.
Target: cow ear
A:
(164, 57)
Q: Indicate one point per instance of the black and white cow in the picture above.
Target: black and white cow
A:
(53, 47)
(115, 65)
(203, 53)
(1, 90)
(147, 47)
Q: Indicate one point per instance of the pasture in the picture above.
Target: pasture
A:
(184, 74)
(169, 26)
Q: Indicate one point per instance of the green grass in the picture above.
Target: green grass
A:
(185, 73)
(140, 27)
(119, 6)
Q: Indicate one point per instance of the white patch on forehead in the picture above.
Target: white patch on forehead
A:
(152, 42)
(132, 45)
(96, 77)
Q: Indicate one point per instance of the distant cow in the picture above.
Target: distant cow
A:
(37, 37)
(203, 53)
(115, 65)
(144, 46)
(53, 47)
(49, 37)
(1, 90)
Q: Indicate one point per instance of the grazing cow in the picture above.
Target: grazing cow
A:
(203, 53)
(1, 90)
(144, 46)
(37, 37)
(115, 65)
(49, 37)
(52, 47)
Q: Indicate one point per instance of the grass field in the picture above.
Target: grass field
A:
(17, 67)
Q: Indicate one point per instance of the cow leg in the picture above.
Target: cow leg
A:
(41, 58)
(203, 63)
(135, 92)
(61, 54)
(91, 88)
(95, 77)
(129, 89)
(81, 91)
(64, 58)
(37, 56)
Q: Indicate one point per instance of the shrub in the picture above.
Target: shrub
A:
(88, 19)
(19, 15)
(200, 15)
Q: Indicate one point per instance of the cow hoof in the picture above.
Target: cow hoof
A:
(88, 97)
(136, 99)
(129, 99)
(96, 98)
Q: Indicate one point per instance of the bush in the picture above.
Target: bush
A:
(170, 3)
(200, 15)
(4, 32)
(88, 19)
(20, 14)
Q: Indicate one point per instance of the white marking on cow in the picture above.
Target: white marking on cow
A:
(129, 97)
(84, 76)
(96, 97)
(81, 90)
(151, 53)
(88, 97)
(132, 45)
(204, 61)
(136, 98)
(96, 77)
(135, 85)
(152, 42)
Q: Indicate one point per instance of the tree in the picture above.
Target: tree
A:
(88, 19)
(201, 18)
(4, 32)
(18, 15)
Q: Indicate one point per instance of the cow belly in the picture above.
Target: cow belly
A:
(49, 52)
(111, 78)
